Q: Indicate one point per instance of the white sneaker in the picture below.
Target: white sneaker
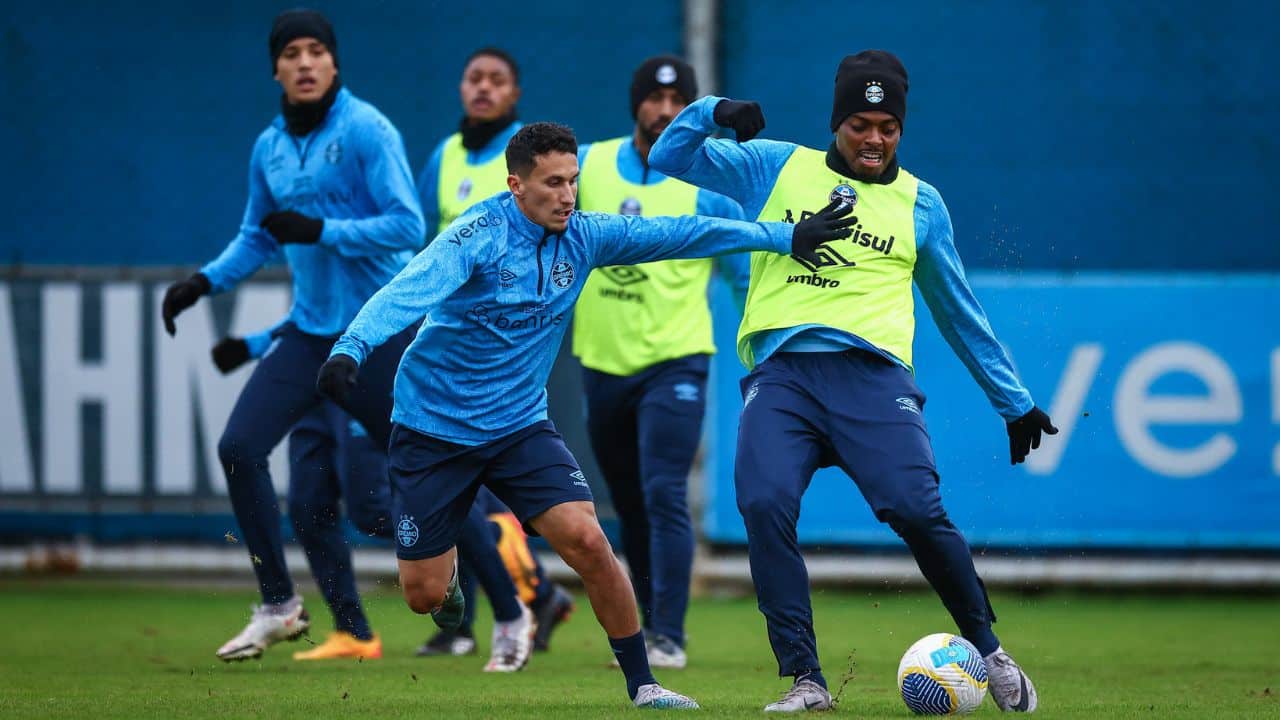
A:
(512, 643)
(665, 653)
(1010, 688)
(804, 696)
(269, 625)
(656, 697)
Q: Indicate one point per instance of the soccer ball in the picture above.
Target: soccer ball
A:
(942, 674)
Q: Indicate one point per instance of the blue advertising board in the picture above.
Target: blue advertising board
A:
(1166, 390)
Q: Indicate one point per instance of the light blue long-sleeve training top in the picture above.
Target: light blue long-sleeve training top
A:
(747, 173)
(352, 172)
(497, 291)
(735, 269)
(429, 180)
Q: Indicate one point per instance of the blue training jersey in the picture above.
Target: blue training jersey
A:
(497, 292)
(747, 173)
(351, 172)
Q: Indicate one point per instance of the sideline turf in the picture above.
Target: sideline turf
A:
(78, 649)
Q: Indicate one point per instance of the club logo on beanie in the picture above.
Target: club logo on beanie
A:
(665, 75)
(845, 194)
(875, 93)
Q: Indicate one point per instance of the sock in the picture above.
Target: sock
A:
(985, 640)
(988, 656)
(634, 659)
(814, 676)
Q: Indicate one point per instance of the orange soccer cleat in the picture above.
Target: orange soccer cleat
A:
(343, 645)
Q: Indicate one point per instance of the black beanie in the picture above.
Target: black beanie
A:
(663, 71)
(870, 80)
(300, 23)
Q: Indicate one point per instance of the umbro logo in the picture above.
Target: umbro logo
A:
(909, 404)
(506, 278)
(578, 478)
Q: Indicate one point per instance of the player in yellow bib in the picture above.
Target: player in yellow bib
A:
(643, 335)
(465, 168)
(827, 336)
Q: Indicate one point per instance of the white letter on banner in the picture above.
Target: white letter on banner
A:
(1136, 411)
(187, 382)
(15, 448)
(1068, 402)
(116, 382)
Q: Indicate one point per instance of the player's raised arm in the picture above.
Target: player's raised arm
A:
(960, 318)
(741, 170)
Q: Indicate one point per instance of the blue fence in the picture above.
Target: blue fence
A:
(1166, 390)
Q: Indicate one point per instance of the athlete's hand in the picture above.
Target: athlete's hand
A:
(1024, 434)
(287, 226)
(230, 353)
(180, 296)
(337, 377)
(832, 222)
(744, 117)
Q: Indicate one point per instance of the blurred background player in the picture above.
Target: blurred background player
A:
(643, 335)
(329, 184)
(465, 168)
(331, 457)
(831, 375)
(471, 399)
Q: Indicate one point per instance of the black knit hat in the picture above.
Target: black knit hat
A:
(663, 71)
(870, 80)
(300, 23)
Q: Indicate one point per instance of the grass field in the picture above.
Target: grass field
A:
(99, 650)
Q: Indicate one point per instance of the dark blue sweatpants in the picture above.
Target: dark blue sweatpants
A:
(279, 393)
(331, 457)
(645, 429)
(861, 413)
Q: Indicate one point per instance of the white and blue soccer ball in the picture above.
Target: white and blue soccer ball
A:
(942, 674)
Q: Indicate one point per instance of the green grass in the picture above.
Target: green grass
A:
(99, 650)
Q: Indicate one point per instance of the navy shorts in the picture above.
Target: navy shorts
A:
(434, 482)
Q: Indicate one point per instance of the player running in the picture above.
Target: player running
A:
(643, 336)
(827, 337)
(329, 184)
(496, 288)
(467, 167)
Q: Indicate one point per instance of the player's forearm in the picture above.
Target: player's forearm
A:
(399, 228)
(680, 146)
(697, 237)
(250, 250)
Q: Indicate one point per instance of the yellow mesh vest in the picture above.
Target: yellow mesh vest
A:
(861, 285)
(630, 317)
(462, 184)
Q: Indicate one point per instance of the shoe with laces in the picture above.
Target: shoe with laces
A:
(656, 697)
(665, 653)
(1009, 686)
(449, 642)
(550, 613)
(268, 625)
(512, 643)
(343, 645)
(803, 696)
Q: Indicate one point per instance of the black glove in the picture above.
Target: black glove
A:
(287, 226)
(744, 117)
(337, 377)
(1024, 434)
(230, 353)
(832, 222)
(180, 296)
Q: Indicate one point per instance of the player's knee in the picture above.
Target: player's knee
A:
(667, 502)
(237, 447)
(913, 517)
(758, 510)
(585, 548)
(423, 597)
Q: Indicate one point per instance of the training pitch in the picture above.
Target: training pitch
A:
(80, 649)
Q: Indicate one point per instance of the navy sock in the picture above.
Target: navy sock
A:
(812, 676)
(985, 640)
(634, 659)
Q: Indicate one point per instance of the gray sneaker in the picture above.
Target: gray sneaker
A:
(1010, 688)
(665, 653)
(804, 696)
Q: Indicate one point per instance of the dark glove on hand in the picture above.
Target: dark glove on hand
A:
(1024, 434)
(230, 353)
(287, 226)
(337, 377)
(180, 296)
(832, 222)
(742, 116)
